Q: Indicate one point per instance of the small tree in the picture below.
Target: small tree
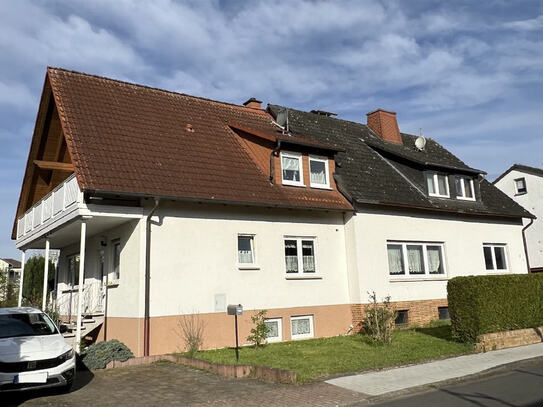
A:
(379, 319)
(33, 280)
(191, 329)
(260, 331)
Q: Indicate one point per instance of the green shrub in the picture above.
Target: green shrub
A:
(379, 320)
(98, 355)
(260, 331)
(484, 304)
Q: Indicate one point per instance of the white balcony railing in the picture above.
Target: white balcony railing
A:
(50, 207)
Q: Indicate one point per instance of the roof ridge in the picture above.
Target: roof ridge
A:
(138, 85)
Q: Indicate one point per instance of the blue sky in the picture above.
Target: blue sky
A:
(471, 75)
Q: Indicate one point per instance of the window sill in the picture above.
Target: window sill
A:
(112, 284)
(440, 196)
(521, 193)
(325, 187)
(425, 278)
(248, 267)
(465, 199)
(288, 184)
(302, 277)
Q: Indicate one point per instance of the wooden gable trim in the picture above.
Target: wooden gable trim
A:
(54, 165)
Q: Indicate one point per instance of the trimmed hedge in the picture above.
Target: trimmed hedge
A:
(485, 304)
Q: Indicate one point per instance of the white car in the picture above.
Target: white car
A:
(33, 352)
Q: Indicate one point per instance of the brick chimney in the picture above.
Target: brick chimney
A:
(253, 103)
(384, 123)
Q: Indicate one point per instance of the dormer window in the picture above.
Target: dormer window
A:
(291, 169)
(438, 185)
(318, 169)
(464, 188)
(520, 185)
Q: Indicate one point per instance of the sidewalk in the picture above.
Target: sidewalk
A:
(392, 380)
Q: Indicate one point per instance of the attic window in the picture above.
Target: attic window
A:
(520, 185)
(464, 188)
(291, 169)
(438, 185)
(318, 169)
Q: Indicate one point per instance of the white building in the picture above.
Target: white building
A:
(165, 205)
(524, 185)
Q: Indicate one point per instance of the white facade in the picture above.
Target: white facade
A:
(462, 238)
(532, 201)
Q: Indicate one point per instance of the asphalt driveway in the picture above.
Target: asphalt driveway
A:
(168, 384)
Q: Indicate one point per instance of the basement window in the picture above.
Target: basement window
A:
(275, 326)
(443, 312)
(520, 185)
(291, 169)
(438, 185)
(301, 327)
(402, 318)
(464, 188)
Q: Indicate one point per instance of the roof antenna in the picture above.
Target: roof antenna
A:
(420, 142)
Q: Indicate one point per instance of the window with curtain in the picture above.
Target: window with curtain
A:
(275, 326)
(291, 168)
(300, 255)
(438, 184)
(410, 259)
(246, 249)
(395, 259)
(301, 327)
(520, 185)
(495, 257)
(291, 256)
(318, 169)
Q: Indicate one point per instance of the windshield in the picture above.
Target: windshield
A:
(26, 325)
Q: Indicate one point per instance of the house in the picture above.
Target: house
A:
(524, 185)
(165, 205)
(12, 270)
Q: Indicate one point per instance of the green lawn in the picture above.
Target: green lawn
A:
(343, 354)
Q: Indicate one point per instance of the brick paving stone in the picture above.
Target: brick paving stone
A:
(169, 384)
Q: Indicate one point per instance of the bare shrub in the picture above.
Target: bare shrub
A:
(191, 328)
(379, 319)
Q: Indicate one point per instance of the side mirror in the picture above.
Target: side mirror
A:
(63, 329)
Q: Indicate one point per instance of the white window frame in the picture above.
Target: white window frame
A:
(436, 185)
(493, 252)
(279, 330)
(463, 188)
(326, 169)
(298, 156)
(311, 333)
(300, 273)
(523, 179)
(247, 266)
(405, 259)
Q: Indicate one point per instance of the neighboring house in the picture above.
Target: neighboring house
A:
(524, 184)
(165, 205)
(12, 269)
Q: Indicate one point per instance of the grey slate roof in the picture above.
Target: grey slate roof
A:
(523, 168)
(373, 171)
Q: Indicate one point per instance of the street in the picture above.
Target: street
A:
(518, 385)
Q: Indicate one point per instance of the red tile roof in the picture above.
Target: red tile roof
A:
(127, 138)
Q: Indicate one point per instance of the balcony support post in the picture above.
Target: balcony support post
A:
(45, 274)
(81, 282)
(21, 278)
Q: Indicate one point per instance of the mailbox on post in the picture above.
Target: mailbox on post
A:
(235, 310)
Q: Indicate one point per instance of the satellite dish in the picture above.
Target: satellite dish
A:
(420, 143)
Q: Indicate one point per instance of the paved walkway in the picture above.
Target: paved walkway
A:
(392, 380)
(169, 384)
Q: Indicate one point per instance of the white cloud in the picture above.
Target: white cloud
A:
(526, 25)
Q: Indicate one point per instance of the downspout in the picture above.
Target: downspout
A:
(272, 154)
(146, 322)
(525, 245)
